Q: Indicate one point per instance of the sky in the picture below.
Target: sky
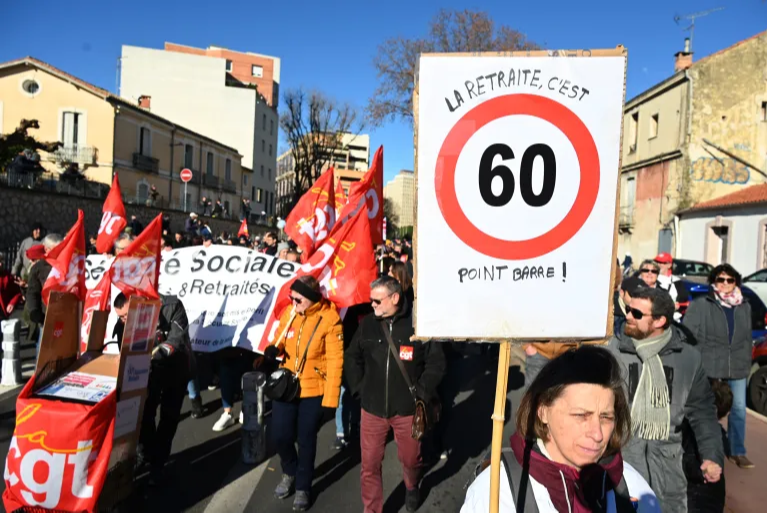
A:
(329, 46)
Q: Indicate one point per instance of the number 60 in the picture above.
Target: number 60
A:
(487, 172)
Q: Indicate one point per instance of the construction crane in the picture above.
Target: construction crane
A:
(692, 18)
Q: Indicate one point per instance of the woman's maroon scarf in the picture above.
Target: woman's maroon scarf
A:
(571, 490)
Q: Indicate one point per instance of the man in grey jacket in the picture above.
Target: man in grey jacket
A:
(665, 384)
(22, 264)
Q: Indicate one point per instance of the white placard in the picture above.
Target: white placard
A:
(136, 372)
(81, 386)
(518, 163)
(126, 418)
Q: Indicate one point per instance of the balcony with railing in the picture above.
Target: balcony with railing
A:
(82, 155)
(210, 181)
(626, 217)
(229, 186)
(144, 163)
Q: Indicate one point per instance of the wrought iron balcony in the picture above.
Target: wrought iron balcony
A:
(83, 155)
(230, 185)
(144, 163)
(210, 180)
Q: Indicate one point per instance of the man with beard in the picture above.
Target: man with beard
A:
(666, 385)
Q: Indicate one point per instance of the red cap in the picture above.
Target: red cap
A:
(36, 252)
(664, 258)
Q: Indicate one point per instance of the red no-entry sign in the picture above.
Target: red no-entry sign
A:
(186, 175)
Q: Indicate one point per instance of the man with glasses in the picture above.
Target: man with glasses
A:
(373, 373)
(122, 242)
(666, 385)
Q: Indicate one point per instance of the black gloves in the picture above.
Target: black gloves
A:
(271, 353)
(162, 351)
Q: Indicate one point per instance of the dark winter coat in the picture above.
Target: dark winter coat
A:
(706, 319)
(373, 374)
(702, 497)
(660, 462)
(37, 276)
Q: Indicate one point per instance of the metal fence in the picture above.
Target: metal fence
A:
(52, 182)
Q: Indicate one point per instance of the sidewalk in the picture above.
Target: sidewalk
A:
(746, 491)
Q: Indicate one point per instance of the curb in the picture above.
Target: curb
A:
(757, 416)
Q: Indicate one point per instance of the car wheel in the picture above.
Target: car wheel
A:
(757, 391)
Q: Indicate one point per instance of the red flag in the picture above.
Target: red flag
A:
(314, 216)
(243, 229)
(68, 263)
(137, 269)
(113, 220)
(340, 199)
(98, 298)
(368, 191)
(344, 265)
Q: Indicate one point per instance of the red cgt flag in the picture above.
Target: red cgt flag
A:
(98, 298)
(344, 265)
(113, 220)
(68, 263)
(340, 199)
(368, 191)
(314, 216)
(243, 229)
(137, 269)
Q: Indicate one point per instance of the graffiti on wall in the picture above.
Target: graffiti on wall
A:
(727, 171)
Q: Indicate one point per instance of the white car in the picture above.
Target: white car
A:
(758, 283)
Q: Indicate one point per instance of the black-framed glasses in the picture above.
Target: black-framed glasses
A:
(295, 299)
(635, 313)
(654, 271)
(729, 281)
(378, 301)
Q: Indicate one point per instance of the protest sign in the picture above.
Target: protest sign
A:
(517, 174)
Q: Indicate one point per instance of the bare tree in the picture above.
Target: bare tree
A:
(314, 125)
(449, 31)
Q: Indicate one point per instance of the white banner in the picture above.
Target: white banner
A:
(518, 163)
(228, 291)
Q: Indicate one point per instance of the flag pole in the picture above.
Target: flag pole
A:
(499, 415)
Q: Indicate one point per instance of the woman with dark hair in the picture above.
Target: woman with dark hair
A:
(310, 341)
(721, 324)
(398, 271)
(571, 425)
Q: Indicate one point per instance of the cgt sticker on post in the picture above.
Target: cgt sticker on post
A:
(406, 353)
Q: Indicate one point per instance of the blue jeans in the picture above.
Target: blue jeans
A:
(297, 421)
(193, 389)
(736, 421)
(342, 429)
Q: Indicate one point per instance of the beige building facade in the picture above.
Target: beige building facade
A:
(698, 135)
(105, 134)
(401, 192)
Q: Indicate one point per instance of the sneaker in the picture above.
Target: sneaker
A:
(412, 499)
(285, 488)
(226, 420)
(197, 410)
(302, 501)
(339, 444)
(742, 462)
(242, 418)
(443, 455)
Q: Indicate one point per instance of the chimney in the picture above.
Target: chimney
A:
(683, 60)
(145, 102)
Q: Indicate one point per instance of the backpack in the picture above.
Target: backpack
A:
(522, 490)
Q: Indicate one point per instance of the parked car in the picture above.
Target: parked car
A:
(757, 381)
(758, 283)
(691, 270)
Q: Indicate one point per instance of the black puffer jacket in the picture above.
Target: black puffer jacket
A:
(722, 359)
(37, 276)
(373, 374)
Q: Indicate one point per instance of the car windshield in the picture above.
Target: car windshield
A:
(688, 268)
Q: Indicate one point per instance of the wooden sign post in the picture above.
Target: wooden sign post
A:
(499, 415)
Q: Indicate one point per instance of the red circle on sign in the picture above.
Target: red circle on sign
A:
(514, 105)
(186, 175)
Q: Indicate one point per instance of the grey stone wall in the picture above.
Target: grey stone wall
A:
(19, 208)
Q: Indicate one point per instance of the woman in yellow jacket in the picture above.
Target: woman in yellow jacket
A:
(312, 320)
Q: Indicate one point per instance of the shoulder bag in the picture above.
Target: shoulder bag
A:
(283, 385)
(427, 411)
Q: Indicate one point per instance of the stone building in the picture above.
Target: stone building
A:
(696, 136)
(401, 191)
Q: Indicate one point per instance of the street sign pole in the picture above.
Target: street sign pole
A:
(185, 184)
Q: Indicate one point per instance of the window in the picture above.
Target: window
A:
(228, 65)
(253, 193)
(262, 171)
(271, 122)
(226, 207)
(257, 71)
(263, 145)
(270, 150)
(188, 155)
(71, 129)
(764, 111)
(259, 192)
(30, 86)
(263, 122)
(723, 233)
(145, 142)
(228, 169)
(633, 132)
(209, 168)
(245, 180)
(757, 277)
(270, 173)
(654, 126)
(142, 192)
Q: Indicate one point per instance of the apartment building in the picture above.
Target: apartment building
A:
(401, 192)
(350, 159)
(699, 135)
(226, 95)
(105, 134)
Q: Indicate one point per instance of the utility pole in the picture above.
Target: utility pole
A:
(692, 18)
